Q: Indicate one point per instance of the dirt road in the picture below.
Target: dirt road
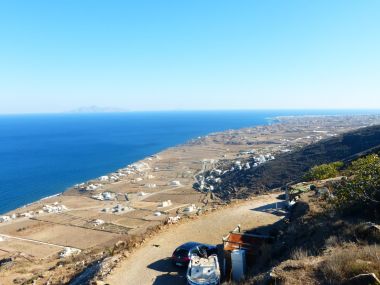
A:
(150, 264)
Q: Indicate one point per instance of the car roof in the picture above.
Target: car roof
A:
(189, 245)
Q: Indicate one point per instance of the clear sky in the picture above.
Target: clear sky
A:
(189, 54)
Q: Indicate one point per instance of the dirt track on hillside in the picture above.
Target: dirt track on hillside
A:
(150, 264)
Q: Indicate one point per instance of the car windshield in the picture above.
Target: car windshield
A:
(194, 250)
(181, 252)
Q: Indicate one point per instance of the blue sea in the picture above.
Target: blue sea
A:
(41, 155)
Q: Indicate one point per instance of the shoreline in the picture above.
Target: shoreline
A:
(137, 161)
(152, 191)
(33, 203)
(62, 191)
(269, 121)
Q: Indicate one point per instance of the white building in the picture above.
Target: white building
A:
(104, 178)
(108, 196)
(164, 204)
(93, 187)
(175, 183)
(4, 219)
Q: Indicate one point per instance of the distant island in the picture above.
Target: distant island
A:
(97, 109)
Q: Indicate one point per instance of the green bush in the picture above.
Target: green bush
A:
(324, 171)
(363, 184)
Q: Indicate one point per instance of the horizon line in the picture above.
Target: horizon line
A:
(189, 110)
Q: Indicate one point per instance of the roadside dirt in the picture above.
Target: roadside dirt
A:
(151, 263)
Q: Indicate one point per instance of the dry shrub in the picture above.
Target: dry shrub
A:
(332, 241)
(299, 254)
(345, 263)
(368, 232)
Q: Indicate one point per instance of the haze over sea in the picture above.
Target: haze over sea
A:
(42, 155)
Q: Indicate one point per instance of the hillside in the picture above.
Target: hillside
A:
(319, 244)
(320, 247)
(331, 233)
(291, 167)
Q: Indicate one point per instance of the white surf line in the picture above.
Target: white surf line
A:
(36, 241)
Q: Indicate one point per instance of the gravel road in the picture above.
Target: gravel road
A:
(150, 264)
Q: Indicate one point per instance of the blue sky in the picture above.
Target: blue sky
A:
(199, 54)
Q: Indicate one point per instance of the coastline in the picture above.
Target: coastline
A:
(82, 147)
(269, 120)
(42, 199)
(151, 191)
(192, 140)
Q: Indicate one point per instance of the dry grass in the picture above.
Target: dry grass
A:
(318, 247)
(365, 232)
(332, 241)
(299, 254)
(345, 263)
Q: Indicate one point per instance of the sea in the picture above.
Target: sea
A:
(44, 154)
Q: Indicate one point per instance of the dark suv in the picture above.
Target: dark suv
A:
(181, 256)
